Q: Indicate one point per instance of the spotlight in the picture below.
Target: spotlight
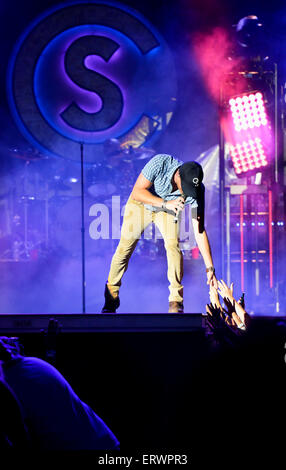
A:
(249, 31)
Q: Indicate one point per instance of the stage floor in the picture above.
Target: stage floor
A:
(71, 323)
(13, 324)
(54, 286)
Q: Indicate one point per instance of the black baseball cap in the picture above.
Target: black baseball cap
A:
(191, 174)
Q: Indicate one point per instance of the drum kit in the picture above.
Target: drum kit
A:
(40, 200)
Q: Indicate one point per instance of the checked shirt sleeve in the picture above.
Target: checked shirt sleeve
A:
(153, 167)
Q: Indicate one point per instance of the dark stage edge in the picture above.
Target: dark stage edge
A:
(123, 322)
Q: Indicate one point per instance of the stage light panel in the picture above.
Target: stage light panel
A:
(248, 156)
(248, 112)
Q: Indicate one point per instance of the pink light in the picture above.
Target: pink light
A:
(248, 155)
(248, 112)
(270, 239)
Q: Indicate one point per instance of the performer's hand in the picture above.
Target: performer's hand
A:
(212, 280)
(176, 205)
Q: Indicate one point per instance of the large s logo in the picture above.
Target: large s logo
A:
(88, 72)
(109, 92)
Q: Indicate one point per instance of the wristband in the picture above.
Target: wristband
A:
(164, 205)
(211, 268)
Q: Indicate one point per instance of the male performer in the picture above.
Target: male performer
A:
(161, 191)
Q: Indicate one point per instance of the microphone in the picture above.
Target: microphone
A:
(176, 218)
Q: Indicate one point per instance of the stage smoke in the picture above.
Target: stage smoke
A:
(215, 57)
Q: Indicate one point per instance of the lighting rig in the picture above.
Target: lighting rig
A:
(252, 212)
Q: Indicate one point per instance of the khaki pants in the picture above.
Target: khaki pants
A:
(136, 219)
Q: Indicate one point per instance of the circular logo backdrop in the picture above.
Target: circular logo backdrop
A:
(88, 72)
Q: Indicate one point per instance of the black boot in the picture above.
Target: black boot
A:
(111, 303)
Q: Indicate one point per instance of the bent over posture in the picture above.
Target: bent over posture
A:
(161, 191)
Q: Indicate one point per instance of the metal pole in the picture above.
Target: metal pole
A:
(47, 217)
(276, 174)
(227, 208)
(241, 243)
(82, 231)
(274, 198)
(222, 188)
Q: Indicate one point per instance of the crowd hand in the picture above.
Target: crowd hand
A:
(218, 316)
(225, 291)
(215, 314)
(237, 320)
(234, 318)
(230, 305)
(176, 205)
(235, 310)
(214, 298)
(243, 317)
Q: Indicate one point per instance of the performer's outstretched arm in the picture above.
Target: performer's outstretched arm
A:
(205, 250)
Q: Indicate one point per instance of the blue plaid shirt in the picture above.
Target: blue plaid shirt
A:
(160, 170)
